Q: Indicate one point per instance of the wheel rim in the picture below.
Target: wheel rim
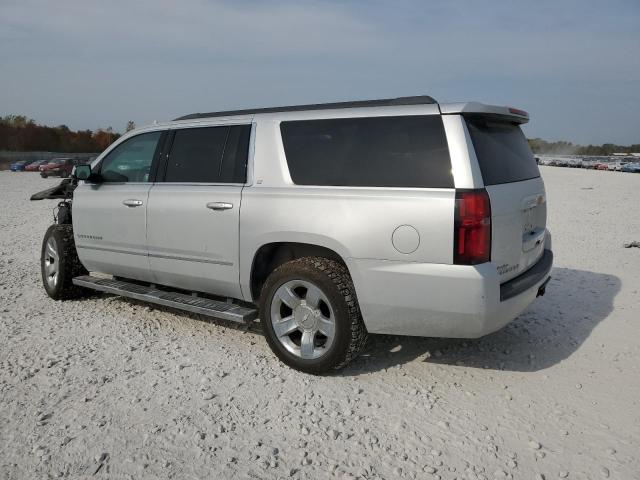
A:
(51, 262)
(303, 319)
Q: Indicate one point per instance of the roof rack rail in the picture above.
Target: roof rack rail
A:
(417, 100)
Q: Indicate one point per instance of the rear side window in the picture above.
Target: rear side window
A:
(502, 151)
(408, 151)
(196, 155)
(209, 155)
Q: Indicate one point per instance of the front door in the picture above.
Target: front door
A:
(193, 213)
(109, 218)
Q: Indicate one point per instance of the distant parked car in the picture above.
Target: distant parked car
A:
(57, 166)
(602, 166)
(631, 168)
(20, 165)
(35, 166)
(574, 163)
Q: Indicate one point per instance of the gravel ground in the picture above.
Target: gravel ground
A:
(107, 387)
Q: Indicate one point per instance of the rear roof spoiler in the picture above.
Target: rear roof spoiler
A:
(510, 113)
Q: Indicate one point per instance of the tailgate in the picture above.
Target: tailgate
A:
(518, 220)
(518, 200)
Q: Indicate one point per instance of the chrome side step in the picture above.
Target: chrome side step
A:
(190, 303)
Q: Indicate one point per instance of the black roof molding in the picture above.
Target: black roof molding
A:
(386, 102)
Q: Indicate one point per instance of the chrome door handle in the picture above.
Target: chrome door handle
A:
(132, 202)
(219, 205)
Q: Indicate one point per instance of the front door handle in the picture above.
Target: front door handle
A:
(219, 205)
(131, 202)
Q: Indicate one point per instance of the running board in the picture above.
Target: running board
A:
(180, 301)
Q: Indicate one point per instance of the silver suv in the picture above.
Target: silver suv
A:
(327, 222)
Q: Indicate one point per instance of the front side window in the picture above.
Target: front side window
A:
(131, 160)
(209, 155)
(407, 151)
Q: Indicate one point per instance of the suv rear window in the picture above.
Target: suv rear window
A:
(408, 151)
(502, 151)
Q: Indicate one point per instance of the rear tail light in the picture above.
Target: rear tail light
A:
(472, 227)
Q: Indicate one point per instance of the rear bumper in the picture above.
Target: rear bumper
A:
(433, 300)
(533, 276)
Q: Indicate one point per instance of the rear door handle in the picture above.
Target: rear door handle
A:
(219, 205)
(131, 202)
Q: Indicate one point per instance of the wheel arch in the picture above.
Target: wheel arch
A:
(271, 255)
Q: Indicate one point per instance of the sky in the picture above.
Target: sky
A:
(574, 65)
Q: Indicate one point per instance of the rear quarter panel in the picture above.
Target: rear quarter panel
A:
(355, 224)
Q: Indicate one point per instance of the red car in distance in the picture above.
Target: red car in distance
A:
(34, 166)
(57, 166)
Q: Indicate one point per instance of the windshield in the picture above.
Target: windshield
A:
(502, 150)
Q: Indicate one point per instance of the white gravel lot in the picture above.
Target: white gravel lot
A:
(111, 388)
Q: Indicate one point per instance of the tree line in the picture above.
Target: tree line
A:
(539, 145)
(21, 134)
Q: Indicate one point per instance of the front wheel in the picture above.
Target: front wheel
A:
(59, 263)
(310, 315)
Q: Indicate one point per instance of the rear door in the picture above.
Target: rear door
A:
(194, 210)
(109, 218)
(516, 190)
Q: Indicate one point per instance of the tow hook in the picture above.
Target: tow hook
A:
(542, 289)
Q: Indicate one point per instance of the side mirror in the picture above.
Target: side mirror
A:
(83, 172)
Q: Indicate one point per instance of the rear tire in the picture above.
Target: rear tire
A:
(43, 175)
(324, 330)
(59, 264)
(64, 174)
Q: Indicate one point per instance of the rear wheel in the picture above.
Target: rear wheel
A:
(310, 315)
(64, 174)
(43, 175)
(60, 264)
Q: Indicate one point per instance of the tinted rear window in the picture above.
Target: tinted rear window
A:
(502, 150)
(406, 151)
(209, 155)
